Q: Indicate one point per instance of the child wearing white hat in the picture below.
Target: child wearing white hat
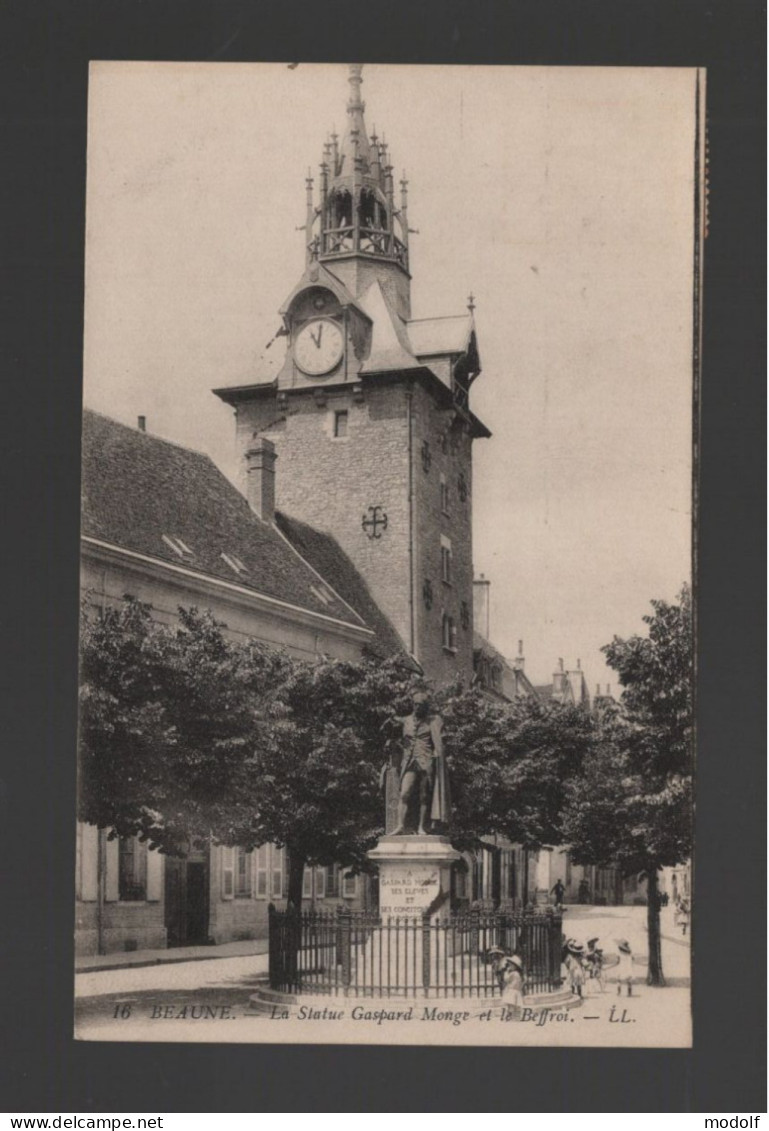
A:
(508, 970)
(625, 971)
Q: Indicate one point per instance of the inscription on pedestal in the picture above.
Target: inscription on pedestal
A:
(407, 889)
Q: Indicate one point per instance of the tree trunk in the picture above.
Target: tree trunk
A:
(655, 977)
(295, 879)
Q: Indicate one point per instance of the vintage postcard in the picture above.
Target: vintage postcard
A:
(386, 674)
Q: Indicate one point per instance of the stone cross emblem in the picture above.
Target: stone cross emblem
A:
(374, 522)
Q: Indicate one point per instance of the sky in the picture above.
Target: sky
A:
(561, 197)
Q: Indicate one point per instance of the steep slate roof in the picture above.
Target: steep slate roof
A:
(137, 487)
(325, 555)
(390, 349)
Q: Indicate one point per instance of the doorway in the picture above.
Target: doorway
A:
(186, 902)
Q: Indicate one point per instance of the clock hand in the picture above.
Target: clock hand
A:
(320, 332)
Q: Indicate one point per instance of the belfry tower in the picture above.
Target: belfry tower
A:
(369, 412)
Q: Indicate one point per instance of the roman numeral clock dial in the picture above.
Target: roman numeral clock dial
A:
(318, 347)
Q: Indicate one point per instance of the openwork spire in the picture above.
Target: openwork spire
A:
(357, 213)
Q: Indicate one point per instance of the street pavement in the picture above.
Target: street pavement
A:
(194, 1000)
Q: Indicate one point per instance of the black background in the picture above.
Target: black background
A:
(45, 50)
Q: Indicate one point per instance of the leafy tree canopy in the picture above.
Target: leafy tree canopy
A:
(508, 763)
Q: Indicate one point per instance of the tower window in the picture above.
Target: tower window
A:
(449, 632)
(340, 424)
(446, 560)
(444, 495)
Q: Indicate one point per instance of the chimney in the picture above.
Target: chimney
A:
(142, 423)
(481, 604)
(560, 682)
(260, 490)
(519, 661)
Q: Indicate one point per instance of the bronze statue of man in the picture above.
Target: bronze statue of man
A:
(423, 773)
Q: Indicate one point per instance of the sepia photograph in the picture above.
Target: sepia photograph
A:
(388, 554)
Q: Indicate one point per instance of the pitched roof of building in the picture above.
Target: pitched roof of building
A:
(431, 336)
(325, 555)
(143, 494)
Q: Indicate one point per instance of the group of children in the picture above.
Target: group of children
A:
(585, 966)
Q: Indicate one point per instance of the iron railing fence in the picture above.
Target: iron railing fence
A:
(362, 954)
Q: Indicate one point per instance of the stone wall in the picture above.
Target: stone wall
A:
(330, 483)
(448, 455)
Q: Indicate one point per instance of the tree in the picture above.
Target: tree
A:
(166, 715)
(185, 734)
(508, 763)
(314, 776)
(632, 803)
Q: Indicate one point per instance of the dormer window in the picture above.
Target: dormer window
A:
(322, 594)
(181, 549)
(235, 564)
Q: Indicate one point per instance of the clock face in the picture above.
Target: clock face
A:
(318, 346)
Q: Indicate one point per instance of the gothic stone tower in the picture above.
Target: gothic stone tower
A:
(369, 413)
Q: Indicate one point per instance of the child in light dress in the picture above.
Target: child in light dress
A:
(625, 969)
(508, 971)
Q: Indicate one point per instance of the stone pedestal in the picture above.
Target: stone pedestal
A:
(414, 875)
(414, 893)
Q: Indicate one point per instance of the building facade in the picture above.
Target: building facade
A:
(161, 524)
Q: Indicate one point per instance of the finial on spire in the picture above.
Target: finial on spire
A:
(471, 302)
(355, 80)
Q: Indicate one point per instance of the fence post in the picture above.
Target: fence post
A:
(556, 936)
(272, 947)
(426, 952)
(345, 945)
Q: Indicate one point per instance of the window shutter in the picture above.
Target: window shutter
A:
(279, 876)
(307, 883)
(154, 875)
(332, 881)
(228, 879)
(285, 858)
(320, 883)
(261, 871)
(112, 870)
(89, 862)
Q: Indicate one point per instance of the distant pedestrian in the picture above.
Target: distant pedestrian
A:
(558, 890)
(584, 891)
(683, 916)
(625, 970)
